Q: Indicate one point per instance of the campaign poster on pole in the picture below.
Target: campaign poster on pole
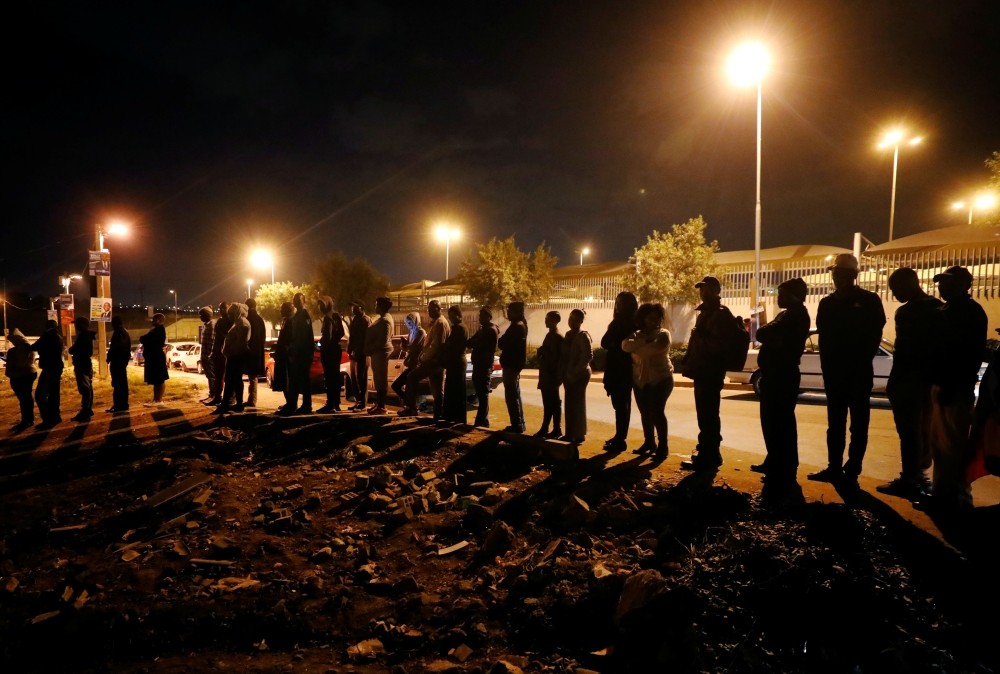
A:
(100, 309)
(64, 303)
(100, 263)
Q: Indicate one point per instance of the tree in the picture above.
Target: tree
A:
(270, 297)
(498, 273)
(346, 280)
(993, 164)
(669, 265)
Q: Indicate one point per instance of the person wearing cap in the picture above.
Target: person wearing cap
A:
(356, 350)
(909, 385)
(781, 344)
(455, 369)
(378, 346)
(704, 363)
(21, 373)
(958, 332)
(513, 356)
(330, 353)
(222, 327)
(484, 347)
(849, 322)
(50, 351)
(575, 373)
(207, 341)
(256, 360)
(82, 353)
(119, 354)
(429, 364)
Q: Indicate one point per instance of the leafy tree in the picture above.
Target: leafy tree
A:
(346, 280)
(669, 265)
(498, 273)
(270, 297)
(993, 164)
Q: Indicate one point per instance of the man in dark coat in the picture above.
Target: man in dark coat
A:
(82, 353)
(300, 358)
(256, 358)
(279, 381)
(119, 354)
(356, 350)
(330, 354)
(222, 327)
(484, 347)
(704, 363)
(50, 349)
(513, 354)
(849, 322)
(207, 341)
(618, 366)
(782, 342)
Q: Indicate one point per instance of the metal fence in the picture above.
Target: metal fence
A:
(736, 279)
(981, 262)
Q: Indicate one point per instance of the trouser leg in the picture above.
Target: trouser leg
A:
(836, 423)
(332, 376)
(645, 416)
(436, 380)
(621, 401)
(707, 400)
(22, 389)
(552, 407)
(380, 377)
(305, 383)
(252, 390)
(119, 385)
(659, 412)
(512, 396)
(359, 375)
(778, 397)
(234, 381)
(481, 382)
(910, 400)
(399, 385)
(208, 367)
(859, 404)
(219, 362)
(947, 428)
(85, 386)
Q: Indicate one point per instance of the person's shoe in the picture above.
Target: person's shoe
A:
(120, 410)
(46, 425)
(222, 409)
(541, 433)
(110, 410)
(304, 410)
(644, 448)
(325, 409)
(828, 474)
(239, 408)
(513, 429)
(284, 411)
(482, 424)
(407, 412)
(611, 441)
(903, 489)
(212, 402)
(661, 452)
(555, 434)
(759, 468)
(82, 417)
(17, 428)
(702, 462)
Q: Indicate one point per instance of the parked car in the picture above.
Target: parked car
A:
(141, 361)
(396, 368)
(190, 360)
(315, 369)
(177, 352)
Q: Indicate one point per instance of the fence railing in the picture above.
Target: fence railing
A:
(982, 263)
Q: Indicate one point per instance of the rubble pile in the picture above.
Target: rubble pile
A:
(370, 545)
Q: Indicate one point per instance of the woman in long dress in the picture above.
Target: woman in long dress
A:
(154, 344)
(455, 368)
(577, 352)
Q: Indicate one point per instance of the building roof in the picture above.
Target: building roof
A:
(779, 254)
(946, 238)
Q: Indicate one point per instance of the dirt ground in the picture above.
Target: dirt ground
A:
(172, 540)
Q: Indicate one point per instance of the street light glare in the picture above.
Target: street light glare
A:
(260, 259)
(916, 141)
(891, 138)
(586, 251)
(748, 64)
(958, 204)
(987, 201)
(249, 281)
(117, 229)
(445, 233)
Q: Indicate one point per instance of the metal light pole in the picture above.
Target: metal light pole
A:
(985, 202)
(103, 287)
(585, 251)
(249, 283)
(757, 214)
(893, 138)
(446, 234)
(175, 313)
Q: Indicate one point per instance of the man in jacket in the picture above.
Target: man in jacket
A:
(411, 347)
(82, 353)
(378, 346)
(513, 354)
(849, 322)
(21, 373)
(429, 365)
(50, 349)
(300, 358)
(207, 342)
(909, 386)
(704, 364)
(781, 344)
(484, 348)
(218, 357)
(356, 351)
(119, 354)
(330, 353)
(236, 350)
(255, 359)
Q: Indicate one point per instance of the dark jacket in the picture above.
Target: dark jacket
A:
(576, 354)
(453, 353)
(959, 330)
(618, 366)
(120, 348)
(155, 367)
(222, 327)
(83, 349)
(331, 334)
(238, 337)
(850, 330)
(514, 346)
(914, 351)
(484, 347)
(258, 335)
(709, 340)
(279, 379)
(301, 344)
(207, 339)
(549, 359)
(49, 347)
(356, 340)
(782, 341)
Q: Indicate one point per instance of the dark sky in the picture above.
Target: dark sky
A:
(315, 127)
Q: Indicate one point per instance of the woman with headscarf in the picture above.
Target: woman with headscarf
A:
(155, 370)
(22, 375)
(414, 342)
(279, 377)
(577, 354)
(618, 367)
(652, 375)
(455, 365)
(331, 353)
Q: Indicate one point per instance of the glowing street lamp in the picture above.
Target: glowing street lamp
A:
(893, 139)
(446, 234)
(261, 259)
(982, 203)
(64, 281)
(585, 251)
(747, 66)
(174, 293)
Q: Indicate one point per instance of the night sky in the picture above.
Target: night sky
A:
(315, 127)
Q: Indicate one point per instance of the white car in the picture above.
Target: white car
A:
(179, 355)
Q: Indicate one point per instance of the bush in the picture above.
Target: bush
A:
(677, 355)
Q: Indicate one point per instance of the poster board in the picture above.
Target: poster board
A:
(100, 309)
(64, 304)
(100, 263)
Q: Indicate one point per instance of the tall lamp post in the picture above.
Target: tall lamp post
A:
(747, 66)
(249, 283)
(174, 293)
(584, 251)
(103, 289)
(446, 234)
(893, 139)
(261, 259)
(983, 203)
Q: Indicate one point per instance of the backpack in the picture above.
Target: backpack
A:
(737, 346)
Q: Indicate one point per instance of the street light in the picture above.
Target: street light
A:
(893, 139)
(66, 280)
(249, 283)
(446, 234)
(585, 251)
(174, 293)
(747, 65)
(261, 259)
(115, 228)
(983, 203)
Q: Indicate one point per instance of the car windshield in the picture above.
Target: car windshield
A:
(185, 347)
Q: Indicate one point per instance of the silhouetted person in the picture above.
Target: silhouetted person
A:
(21, 373)
(331, 353)
(256, 359)
(550, 377)
(222, 326)
(82, 353)
(652, 376)
(119, 354)
(909, 385)
(50, 350)
(356, 350)
(207, 341)
(378, 347)
(782, 342)
(618, 366)
(237, 351)
(577, 354)
(705, 364)
(484, 348)
(513, 355)
(155, 370)
(849, 322)
(986, 419)
(958, 331)
(279, 375)
(300, 358)
(411, 354)
(455, 368)
(429, 365)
